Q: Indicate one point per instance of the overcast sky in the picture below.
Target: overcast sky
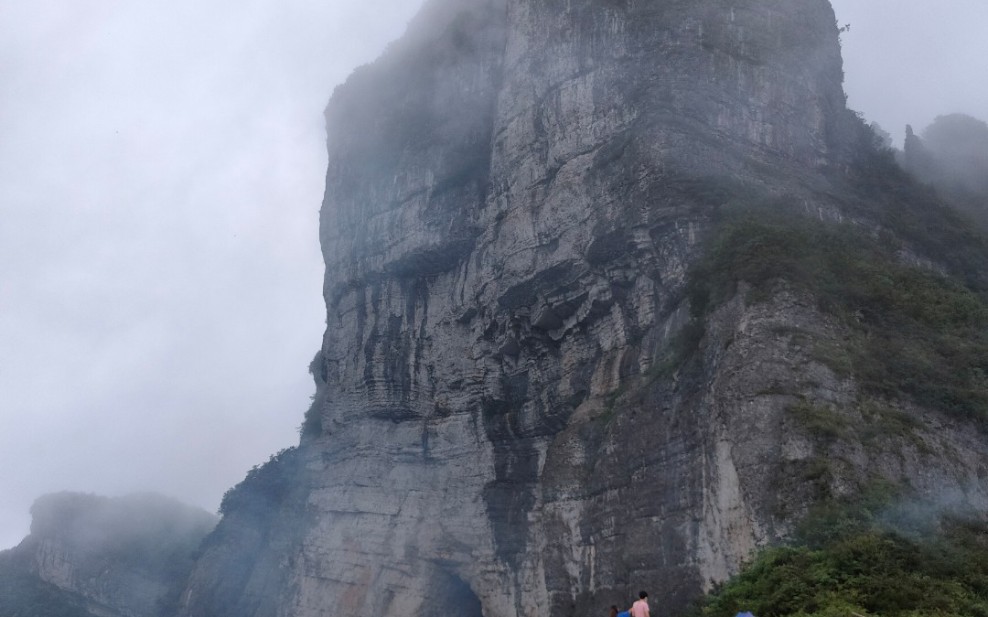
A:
(161, 170)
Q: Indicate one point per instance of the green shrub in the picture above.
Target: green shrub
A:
(870, 573)
(871, 558)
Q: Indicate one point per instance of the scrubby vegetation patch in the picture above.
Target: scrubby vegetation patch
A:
(915, 332)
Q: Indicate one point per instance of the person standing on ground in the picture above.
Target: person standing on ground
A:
(640, 608)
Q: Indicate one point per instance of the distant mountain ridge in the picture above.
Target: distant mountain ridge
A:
(107, 557)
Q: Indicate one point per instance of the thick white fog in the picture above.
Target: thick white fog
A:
(161, 170)
(909, 61)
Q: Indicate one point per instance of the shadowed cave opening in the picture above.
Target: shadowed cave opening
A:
(451, 595)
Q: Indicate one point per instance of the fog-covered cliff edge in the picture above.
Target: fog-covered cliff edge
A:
(506, 422)
(109, 557)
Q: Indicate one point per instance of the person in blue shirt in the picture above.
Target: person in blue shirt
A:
(615, 613)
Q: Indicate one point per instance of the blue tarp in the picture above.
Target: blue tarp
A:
(744, 614)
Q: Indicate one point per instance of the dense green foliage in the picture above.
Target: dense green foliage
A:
(871, 573)
(868, 559)
(913, 331)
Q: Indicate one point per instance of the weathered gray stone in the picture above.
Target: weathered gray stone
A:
(515, 194)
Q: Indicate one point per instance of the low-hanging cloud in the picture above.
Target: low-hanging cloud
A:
(160, 178)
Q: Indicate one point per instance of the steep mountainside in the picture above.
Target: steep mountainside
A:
(89, 555)
(542, 384)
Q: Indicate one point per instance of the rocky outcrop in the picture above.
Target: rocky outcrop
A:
(516, 192)
(121, 557)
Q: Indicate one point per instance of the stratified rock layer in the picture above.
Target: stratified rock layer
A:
(515, 193)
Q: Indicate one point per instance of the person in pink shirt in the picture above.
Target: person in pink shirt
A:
(640, 608)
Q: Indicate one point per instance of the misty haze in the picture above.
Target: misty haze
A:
(500, 307)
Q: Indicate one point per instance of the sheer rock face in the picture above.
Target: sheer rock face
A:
(515, 192)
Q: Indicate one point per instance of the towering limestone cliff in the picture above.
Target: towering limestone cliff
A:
(519, 410)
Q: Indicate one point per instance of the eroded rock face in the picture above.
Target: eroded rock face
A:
(504, 259)
(515, 193)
